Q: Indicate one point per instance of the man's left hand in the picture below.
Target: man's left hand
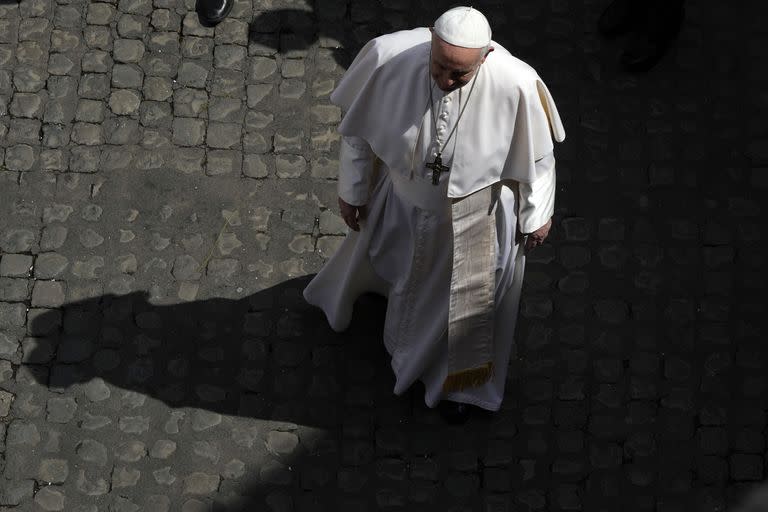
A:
(537, 238)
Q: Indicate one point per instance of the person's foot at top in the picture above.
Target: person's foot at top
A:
(211, 12)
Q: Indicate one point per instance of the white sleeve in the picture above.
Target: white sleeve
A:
(537, 199)
(355, 167)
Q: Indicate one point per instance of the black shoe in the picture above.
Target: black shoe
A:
(646, 47)
(620, 17)
(211, 12)
(454, 413)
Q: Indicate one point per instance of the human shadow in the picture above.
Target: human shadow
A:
(269, 357)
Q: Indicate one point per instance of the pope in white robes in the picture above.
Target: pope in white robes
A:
(447, 177)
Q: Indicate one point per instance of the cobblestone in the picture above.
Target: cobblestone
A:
(127, 76)
(15, 265)
(14, 290)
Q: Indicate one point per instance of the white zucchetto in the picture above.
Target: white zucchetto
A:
(465, 27)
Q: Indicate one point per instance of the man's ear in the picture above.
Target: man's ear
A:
(487, 53)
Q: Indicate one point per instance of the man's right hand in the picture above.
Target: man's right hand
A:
(351, 214)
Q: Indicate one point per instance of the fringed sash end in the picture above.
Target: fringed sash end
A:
(470, 378)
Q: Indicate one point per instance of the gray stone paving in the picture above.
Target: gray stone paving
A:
(165, 188)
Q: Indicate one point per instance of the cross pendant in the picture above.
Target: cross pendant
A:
(437, 167)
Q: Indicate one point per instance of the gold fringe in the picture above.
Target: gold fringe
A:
(470, 378)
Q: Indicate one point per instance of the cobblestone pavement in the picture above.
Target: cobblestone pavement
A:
(165, 187)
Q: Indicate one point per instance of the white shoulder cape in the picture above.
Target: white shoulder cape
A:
(508, 125)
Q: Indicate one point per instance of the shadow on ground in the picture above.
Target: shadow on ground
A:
(269, 357)
(342, 29)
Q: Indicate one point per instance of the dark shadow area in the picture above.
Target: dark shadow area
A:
(341, 28)
(563, 54)
(292, 32)
(269, 357)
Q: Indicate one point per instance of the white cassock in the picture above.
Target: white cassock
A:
(404, 249)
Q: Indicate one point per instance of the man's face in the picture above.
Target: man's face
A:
(452, 66)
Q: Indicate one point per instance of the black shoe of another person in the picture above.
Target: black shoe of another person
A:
(454, 413)
(648, 45)
(620, 17)
(211, 12)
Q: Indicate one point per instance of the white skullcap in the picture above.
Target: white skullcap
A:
(465, 27)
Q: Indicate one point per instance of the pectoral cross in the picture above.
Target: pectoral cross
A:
(437, 167)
